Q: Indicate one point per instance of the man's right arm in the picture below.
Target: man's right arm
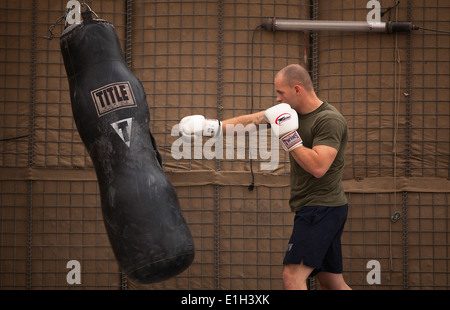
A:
(198, 125)
(248, 119)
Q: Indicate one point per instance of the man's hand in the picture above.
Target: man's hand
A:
(197, 125)
(284, 123)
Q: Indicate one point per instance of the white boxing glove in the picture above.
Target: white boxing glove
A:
(198, 125)
(284, 123)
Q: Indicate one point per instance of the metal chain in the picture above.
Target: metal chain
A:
(50, 29)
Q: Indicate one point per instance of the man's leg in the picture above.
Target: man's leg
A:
(332, 281)
(295, 275)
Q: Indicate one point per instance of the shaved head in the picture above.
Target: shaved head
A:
(296, 74)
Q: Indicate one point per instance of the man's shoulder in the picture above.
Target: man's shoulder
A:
(329, 112)
(330, 109)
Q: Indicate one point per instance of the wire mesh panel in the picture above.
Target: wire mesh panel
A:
(430, 82)
(251, 59)
(16, 91)
(67, 225)
(213, 58)
(428, 239)
(198, 209)
(56, 140)
(362, 75)
(175, 57)
(373, 232)
(14, 230)
(378, 83)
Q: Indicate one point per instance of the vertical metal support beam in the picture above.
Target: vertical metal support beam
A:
(408, 97)
(129, 30)
(32, 83)
(31, 143)
(408, 152)
(128, 61)
(315, 47)
(313, 71)
(219, 117)
(405, 239)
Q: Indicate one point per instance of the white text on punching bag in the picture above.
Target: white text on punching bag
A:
(113, 97)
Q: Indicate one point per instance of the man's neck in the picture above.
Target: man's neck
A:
(309, 104)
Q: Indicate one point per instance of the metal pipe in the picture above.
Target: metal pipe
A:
(274, 24)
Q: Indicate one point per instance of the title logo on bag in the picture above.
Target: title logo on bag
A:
(113, 97)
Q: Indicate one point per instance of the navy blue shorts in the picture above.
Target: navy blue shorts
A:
(316, 238)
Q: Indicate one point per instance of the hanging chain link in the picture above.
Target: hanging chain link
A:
(63, 17)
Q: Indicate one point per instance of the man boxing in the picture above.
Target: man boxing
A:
(315, 134)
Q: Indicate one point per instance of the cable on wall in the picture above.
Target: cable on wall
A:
(259, 27)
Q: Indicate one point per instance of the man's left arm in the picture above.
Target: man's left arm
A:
(317, 160)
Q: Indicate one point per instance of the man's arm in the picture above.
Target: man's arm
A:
(198, 125)
(317, 160)
(284, 121)
(248, 119)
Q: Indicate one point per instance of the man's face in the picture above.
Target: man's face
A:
(285, 93)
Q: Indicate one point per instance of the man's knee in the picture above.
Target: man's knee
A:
(332, 281)
(294, 276)
(292, 281)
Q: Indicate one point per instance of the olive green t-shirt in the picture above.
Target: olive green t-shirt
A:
(324, 126)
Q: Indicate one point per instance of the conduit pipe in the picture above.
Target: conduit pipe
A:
(274, 24)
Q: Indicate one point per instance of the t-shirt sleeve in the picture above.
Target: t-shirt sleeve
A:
(329, 131)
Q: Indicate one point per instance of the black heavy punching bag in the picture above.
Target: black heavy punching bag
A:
(141, 212)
